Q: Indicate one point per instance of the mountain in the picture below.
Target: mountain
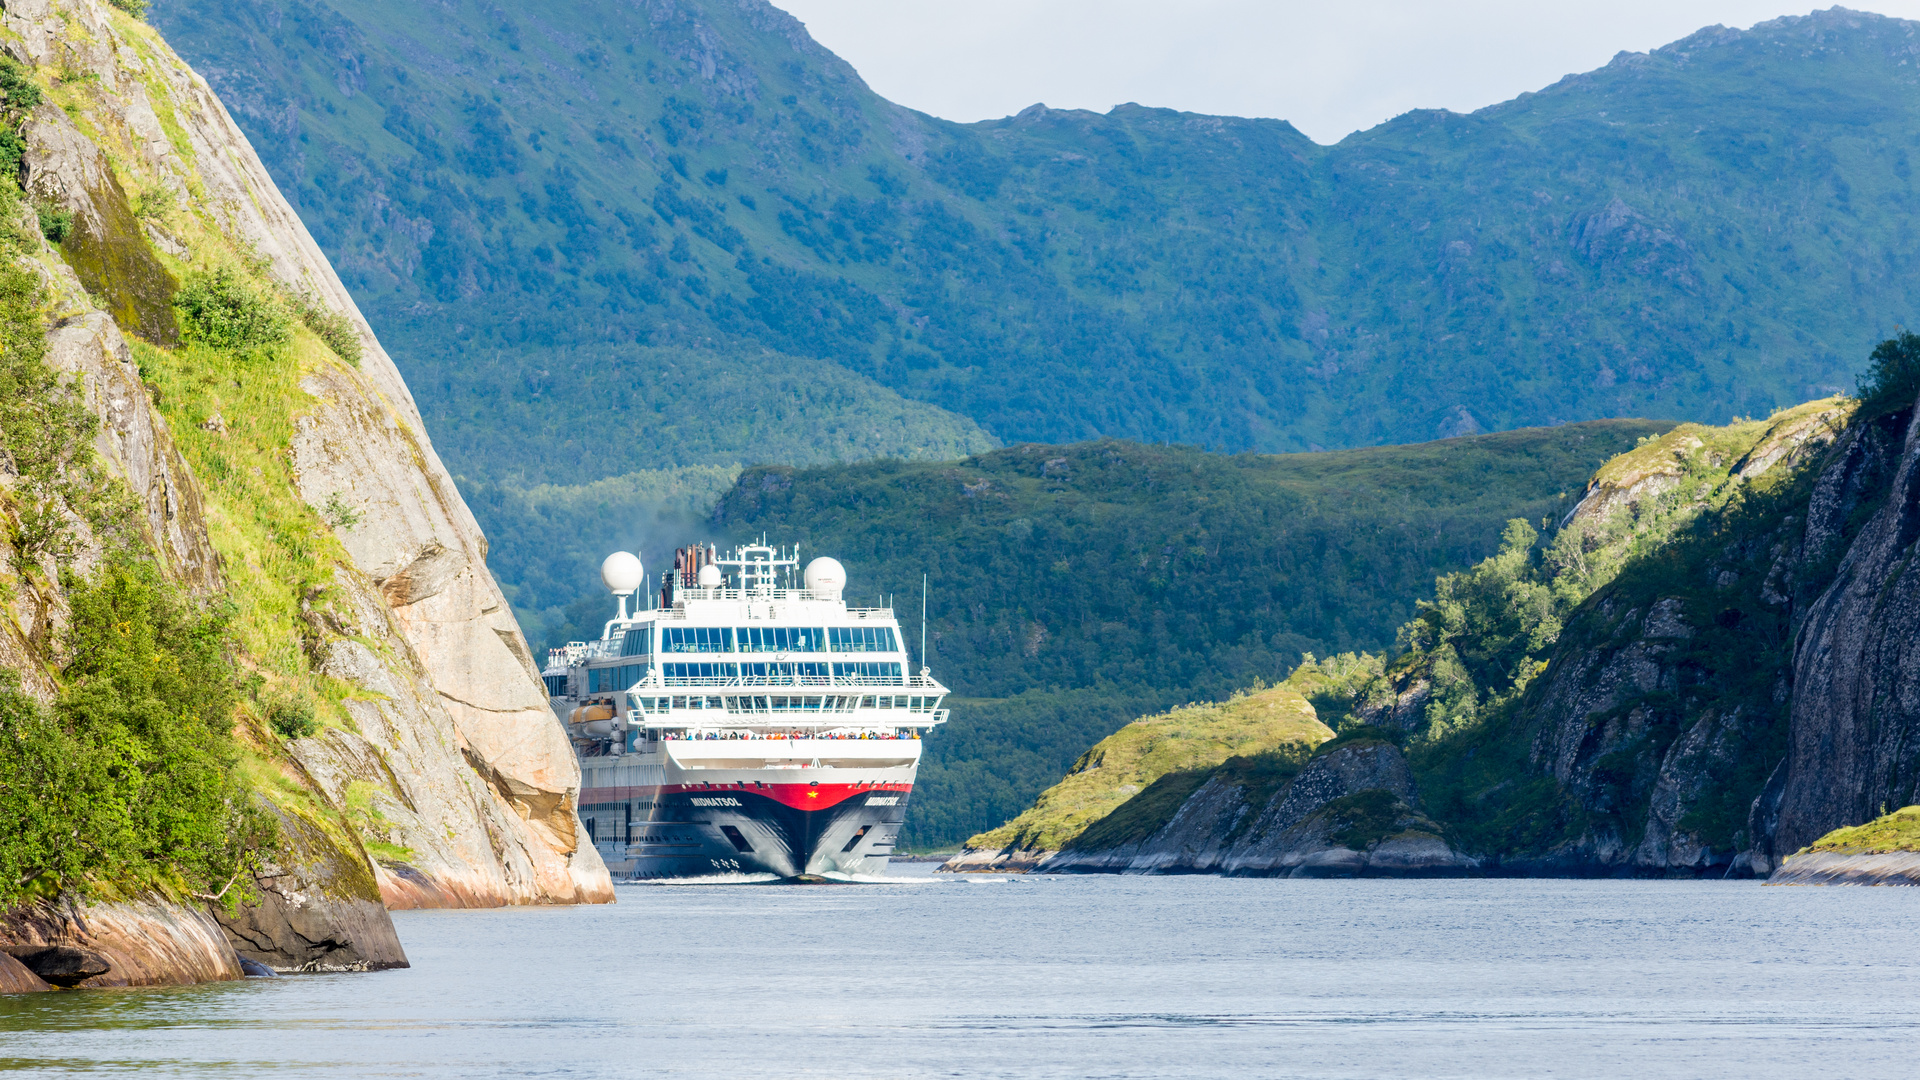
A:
(252, 652)
(1073, 588)
(533, 203)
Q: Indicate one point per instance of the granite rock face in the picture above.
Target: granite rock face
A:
(138, 943)
(474, 779)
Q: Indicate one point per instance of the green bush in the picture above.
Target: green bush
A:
(55, 225)
(335, 329)
(1892, 379)
(292, 718)
(222, 310)
(13, 150)
(129, 779)
(135, 8)
(18, 91)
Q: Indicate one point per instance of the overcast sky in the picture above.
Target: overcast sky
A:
(1330, 66)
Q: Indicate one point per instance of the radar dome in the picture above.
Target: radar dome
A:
(826, 577)
(622, 573)
(709, 576)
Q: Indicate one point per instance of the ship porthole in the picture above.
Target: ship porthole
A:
(816, 783)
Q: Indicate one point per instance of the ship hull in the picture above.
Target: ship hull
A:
(736, 823)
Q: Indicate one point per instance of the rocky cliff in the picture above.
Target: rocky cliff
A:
(301, 487)
(1853, 748)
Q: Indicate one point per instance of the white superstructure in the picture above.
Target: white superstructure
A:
(741, 723)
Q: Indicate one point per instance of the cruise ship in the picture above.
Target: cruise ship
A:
(741, 724)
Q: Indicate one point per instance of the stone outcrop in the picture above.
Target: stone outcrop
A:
(319, 905)
(133, 943)
(460, 770)
(1840, 868)
(1351, 812)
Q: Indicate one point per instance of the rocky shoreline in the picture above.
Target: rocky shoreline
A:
(1841, 868)
(131, 943)
(1350, 812)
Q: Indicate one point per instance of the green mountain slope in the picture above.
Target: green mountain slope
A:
(1074, 588)
(520, 197)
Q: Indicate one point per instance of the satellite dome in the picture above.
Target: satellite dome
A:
(826, 577)
(709, 576)
(622, 573)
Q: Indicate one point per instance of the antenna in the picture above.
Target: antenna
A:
(923, 624)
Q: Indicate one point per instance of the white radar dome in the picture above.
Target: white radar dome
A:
(622, 573)
(826, 577)
(709, 576)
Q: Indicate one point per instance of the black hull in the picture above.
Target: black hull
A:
(739, 832)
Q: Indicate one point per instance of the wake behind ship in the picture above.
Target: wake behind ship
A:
(743, 726)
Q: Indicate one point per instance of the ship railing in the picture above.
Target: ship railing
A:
(784, 721)
(695, 592)
(829, 681)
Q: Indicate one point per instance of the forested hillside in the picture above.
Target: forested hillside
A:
(1074, 588)
(533, 202)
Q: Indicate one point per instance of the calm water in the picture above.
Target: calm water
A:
(1067, 977)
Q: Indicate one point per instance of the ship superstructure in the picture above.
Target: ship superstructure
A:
(742, 722)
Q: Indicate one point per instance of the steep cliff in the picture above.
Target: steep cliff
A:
(1853, 750)
(392, 706)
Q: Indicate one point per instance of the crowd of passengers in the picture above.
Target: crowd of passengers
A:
(726, 735)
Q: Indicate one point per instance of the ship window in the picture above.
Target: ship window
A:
(684, 639)
(699, 674)
(861, 639)
(789, 703)
(556, 685)
(867, 673)
(637, 642)
(715, 703)
(802, 674)
(858, 835)
(782, 639)
(607, 680)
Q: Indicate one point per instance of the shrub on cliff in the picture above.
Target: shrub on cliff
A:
(129, 778)
(1892, 379)
(334, 328)
(222, 310)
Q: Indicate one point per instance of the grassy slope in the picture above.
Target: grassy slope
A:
(1190, 739)
(1077, 587)
(1898, 831)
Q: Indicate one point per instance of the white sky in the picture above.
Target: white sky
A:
(1331, 66)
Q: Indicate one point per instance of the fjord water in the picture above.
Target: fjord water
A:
(1065, 977)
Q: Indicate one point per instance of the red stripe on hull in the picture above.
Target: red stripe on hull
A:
(798, 796)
